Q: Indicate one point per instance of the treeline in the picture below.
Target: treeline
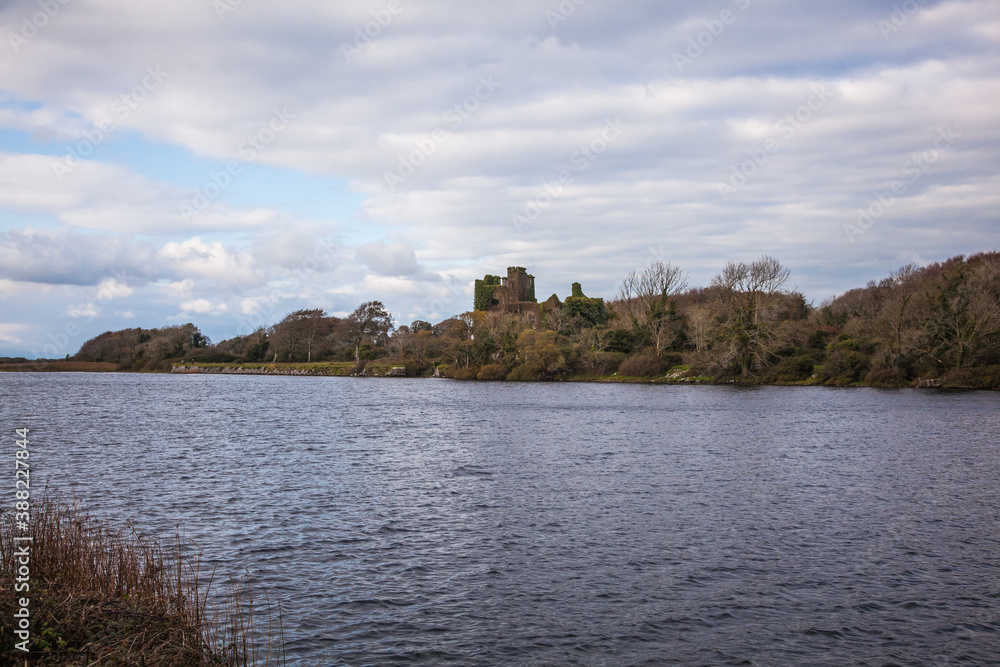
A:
(146, 349)
(938, 324)
(304, 335)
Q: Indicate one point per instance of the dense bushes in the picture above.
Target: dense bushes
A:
(789, 370)
(973, 378)
(596, 364)
(886, 377)
(467, 373)
(492, 372)
(643, 365)
(146, 349)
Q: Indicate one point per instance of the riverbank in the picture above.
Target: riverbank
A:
(318, 369)
(94, 593)
(683, 374)
(676, 375)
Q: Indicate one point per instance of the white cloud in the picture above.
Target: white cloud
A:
(65, 256)
(208, 260)
(177, 290)
(203, 306)
(251, 306)
(112, 288)
(389, 285)
(87, 310)
(390, 259)
(9, 332)
(15, 287)
(110, 198)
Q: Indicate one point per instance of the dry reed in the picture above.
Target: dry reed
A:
(106, 595)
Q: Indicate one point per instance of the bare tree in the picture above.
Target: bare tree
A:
(645, 302)
(893, 326)
(701, 325)
(555, 317)
(500, 330)
(313, 322)
(644, 296)
(751, 332)
(964, 312)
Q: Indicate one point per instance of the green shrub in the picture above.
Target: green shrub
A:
(790, 369)
(540, 355)
(257, 351)
(670, 359)
(849, 344)
(843, 365)
(620, 340)
(468, 373)
(529, 371)
(589, 311)
(973, 378)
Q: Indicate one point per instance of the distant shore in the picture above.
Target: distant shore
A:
(387, 370)
(922, 326)
(59, 366)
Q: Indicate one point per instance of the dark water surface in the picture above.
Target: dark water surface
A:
(423, 521)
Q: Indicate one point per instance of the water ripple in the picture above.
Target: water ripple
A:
(425, 522)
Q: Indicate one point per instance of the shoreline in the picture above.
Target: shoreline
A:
(343, 369)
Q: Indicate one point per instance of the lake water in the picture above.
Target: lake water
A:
(437, 522)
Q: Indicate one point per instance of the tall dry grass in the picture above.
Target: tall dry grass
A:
(106, 595)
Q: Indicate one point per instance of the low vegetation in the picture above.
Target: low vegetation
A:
(104, 595)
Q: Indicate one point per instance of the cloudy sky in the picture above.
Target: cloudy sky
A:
(225, 162)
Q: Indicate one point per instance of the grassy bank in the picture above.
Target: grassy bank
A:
(43, 366)
(332, 368)
(104, 595)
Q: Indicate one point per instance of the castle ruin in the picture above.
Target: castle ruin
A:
(512, 294)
